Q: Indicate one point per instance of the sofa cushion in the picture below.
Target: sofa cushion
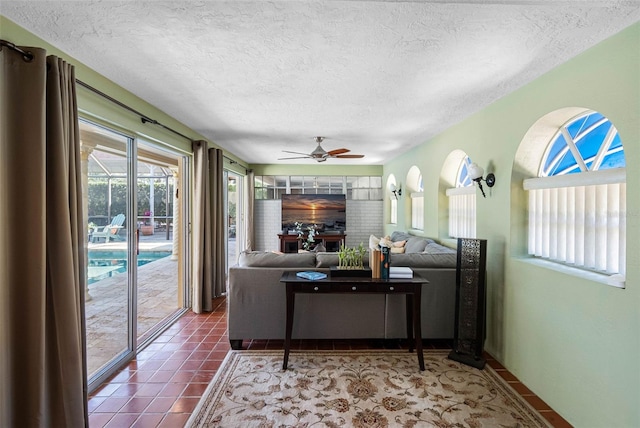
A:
(267, 259)
(325, 260)
(424, 260)
(399, 236)
(416, 244)
(435, 248)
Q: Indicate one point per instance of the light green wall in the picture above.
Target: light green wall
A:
(573, 341)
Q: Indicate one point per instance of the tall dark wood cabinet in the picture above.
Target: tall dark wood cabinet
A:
(470, 320)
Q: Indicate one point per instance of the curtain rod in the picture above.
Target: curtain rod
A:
(144, 118)
(28, 56)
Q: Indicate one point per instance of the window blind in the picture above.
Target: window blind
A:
(462, 212)
(394, 211)
(417, 211)
(582, 225)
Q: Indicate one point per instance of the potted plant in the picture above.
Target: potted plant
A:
(309, 240)
(351, 262)
(147, 227)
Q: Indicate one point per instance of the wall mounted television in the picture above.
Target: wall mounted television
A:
(327, 212)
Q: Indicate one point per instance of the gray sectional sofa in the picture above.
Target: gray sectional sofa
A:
(257, 304)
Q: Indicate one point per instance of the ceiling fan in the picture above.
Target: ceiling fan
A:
(321, 155)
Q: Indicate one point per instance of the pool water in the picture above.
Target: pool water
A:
(104, 264)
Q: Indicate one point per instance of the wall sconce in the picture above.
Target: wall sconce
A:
(476, 172)
(397, 191)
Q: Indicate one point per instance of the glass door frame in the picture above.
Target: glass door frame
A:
(119, 360)
(239, 217)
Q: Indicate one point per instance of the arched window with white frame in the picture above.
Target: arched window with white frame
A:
(462, 203)
(577, 204)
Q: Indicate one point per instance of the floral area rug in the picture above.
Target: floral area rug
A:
(358, 389)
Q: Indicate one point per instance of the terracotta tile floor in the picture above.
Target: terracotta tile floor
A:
(162, 386)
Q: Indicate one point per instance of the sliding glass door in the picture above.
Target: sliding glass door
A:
(107, 179)
(159, 284)
(136, 271)
(235, 218)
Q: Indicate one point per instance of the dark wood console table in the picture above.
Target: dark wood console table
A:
(331, 241)
(410, 287)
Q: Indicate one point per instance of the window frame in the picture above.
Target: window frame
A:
(577, 214)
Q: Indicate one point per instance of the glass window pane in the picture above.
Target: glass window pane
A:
(271, 194)
(591, 142)
(557, 146)
(589, 133)
(350, 181)
(463, 175)
(566, 165)
(375, 194)
(614, 160)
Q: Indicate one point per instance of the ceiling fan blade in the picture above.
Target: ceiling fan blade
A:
(337, 152)
(297, 157)
(349, 156)
(296, 153)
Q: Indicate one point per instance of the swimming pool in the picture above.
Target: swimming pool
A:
(104, 264)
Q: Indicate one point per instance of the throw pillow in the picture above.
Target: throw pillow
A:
(319, 249)
(373, 242)
(400, 236)
(415, 245)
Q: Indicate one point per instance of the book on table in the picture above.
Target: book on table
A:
(311, 275)
(400, 272)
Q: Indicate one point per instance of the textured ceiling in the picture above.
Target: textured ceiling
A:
(377, 77)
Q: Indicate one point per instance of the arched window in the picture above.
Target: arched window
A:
(587, 143)
(462, 203)
(577, 205)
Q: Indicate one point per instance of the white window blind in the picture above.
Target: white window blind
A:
(462, 212)
(394, 211)
(580, 219)
(417, 210)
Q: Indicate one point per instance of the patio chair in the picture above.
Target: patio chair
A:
(109, 231)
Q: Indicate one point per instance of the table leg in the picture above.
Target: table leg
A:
(291, 296)
(417, 324)
(410, 315)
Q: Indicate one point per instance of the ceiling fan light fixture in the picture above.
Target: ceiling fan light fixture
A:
(319, 154)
